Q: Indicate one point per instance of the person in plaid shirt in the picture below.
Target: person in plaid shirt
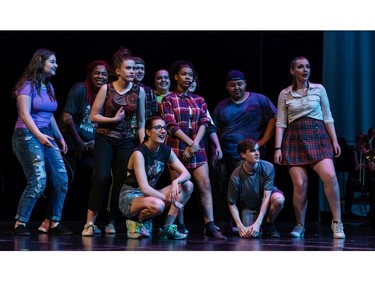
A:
(186, 120)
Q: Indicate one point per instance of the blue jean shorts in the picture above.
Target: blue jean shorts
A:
(127, 195)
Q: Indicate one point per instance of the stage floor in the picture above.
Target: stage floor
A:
(318, 237)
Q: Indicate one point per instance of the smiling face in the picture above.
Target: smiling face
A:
(157, 132)
(161, 81)
(139, 72)
(99, 76)
(50, 66)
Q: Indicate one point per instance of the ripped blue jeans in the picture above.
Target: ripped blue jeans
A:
(37, 162)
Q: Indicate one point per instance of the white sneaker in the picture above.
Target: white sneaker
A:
(110, 229)
(91, 229)
(338, 230)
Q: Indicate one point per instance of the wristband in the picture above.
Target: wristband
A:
(277, 148)
(192, 144)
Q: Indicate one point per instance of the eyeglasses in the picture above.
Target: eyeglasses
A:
(159, 127)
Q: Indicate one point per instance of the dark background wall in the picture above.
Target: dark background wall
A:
(263, 56)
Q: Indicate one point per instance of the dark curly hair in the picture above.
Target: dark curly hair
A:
(175, 68)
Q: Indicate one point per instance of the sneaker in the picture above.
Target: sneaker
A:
(59, 230)
(338, 230)
(44, 227)
(225, 228)
(271, 231)
(171, 232)
(21, 230)
(211, 231)
(110, 229)
(91, 229)
(298, 231)
(147, 224)
(136, 230)
(182, 229)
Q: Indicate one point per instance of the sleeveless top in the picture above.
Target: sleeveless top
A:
(126, 128)
(154, 165)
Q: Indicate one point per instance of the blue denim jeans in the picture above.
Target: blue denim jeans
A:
(37, 162)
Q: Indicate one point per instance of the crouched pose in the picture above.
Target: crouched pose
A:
(139, 200)
(251, 187)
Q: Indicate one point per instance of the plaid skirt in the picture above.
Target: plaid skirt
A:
(305, 142)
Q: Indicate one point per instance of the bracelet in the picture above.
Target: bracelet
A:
(277, 148)
(192, 144)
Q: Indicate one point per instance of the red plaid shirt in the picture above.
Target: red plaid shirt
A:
(177, 115)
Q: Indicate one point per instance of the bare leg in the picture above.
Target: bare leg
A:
(203, 182)
(276, 205)
(299, 179)
(146, 207)
(180, 217)
(91, 216)
(186, 191)
(327, 174)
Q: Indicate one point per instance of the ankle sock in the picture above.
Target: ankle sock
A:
(19, 223)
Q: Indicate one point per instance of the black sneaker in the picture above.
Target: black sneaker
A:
(21, 230)
(211, 231)
(225, 227)
(182, 229)
(271, 231)
(59, 230)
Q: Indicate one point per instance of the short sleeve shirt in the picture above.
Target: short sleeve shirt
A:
(247, 189)
(42, 107)
(236, 122)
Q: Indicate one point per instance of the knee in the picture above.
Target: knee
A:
(187, 187)
(330, 178)
(156, 207)
(299, 185)
(36, 185)
(278, 200)
(204, 186)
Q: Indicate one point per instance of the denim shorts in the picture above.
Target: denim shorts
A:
(127, 195)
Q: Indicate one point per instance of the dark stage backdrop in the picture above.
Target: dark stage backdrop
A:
(263, 56)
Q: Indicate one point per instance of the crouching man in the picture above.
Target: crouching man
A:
(251, 187)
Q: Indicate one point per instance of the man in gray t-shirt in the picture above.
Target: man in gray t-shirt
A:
(251, 192)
